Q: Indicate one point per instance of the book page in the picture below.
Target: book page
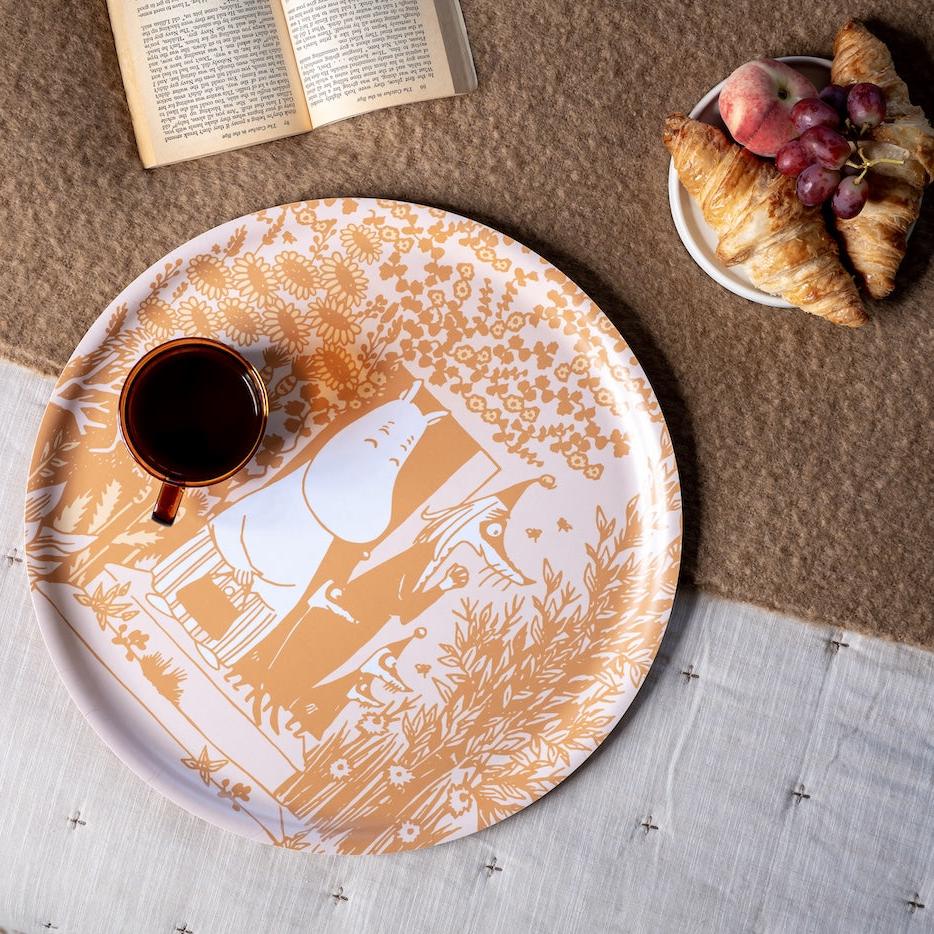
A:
(204, 76)
(355, 56)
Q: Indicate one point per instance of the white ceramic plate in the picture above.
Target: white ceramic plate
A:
(695, 233)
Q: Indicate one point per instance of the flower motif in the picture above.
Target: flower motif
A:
(333, 322)
(515, 321)
(297, 274)
(490, 416)
(360, 244)
(196, 316)
(409, 832)
(476, 403)
(593, 471)
(106, 605)
(366, 390)
(204, 765)
(498, 329)
(253, 277)
(305, 214)
(155, 316)
(398, 776)
(240, 321)
(340, 768)
(236, 793)
(579, 364)
(374, 723)
(209, 275)
(513, 403)
(342, 278)
(562, 371)
(295, 841)
(577, 460)
(203, 501)
(286, 327)
(459, 799)
(333, 366)
(603, 396)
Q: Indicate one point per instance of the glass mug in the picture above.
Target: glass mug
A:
(193, 412)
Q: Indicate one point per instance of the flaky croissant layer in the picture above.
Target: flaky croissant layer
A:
(876, 239)
(760, 222)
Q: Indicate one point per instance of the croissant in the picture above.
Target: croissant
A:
(876, 239)
(761, 223)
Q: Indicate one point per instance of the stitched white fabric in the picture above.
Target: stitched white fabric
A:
(708, 764)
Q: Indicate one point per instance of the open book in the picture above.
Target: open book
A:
(205, 76)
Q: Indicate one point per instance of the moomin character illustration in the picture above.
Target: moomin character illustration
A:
(407, 584)
(314, 667)
(369, 685)
(235, 581)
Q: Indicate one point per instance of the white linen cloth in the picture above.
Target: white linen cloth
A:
(686, 819)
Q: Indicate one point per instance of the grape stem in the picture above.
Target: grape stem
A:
(866, 164)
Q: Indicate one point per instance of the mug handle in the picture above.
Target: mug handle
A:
(170, 497)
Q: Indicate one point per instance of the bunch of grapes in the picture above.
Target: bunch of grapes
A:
(822, 158)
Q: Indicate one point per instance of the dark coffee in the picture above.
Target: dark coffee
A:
(193, 413)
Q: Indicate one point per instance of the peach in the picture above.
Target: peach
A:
(756, 103)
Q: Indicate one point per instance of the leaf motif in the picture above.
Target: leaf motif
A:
(137, 538)
(71, 515)
(41, 568)
(42, 501)
(106, 505)
(445, 690)
(52, 542)
(236, 241)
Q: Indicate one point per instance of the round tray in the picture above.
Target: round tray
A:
(439, 583)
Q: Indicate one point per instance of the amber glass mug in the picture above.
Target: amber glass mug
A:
(193, 412)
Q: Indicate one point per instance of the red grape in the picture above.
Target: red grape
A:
(812, 111)
(866, 105)
(835, 95)
(816, 184)
(849, 198)
(826, 146)
(792, 159)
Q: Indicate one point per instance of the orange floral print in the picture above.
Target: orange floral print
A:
(239, 321)
(197, 318)
(287, 327)
(333, 366)
(209, 275)
(297, 274)
(360, 243)
(333, 322)
(343, 279)
(156, 317)
(253, 278)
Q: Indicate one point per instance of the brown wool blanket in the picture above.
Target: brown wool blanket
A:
(805, 450)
